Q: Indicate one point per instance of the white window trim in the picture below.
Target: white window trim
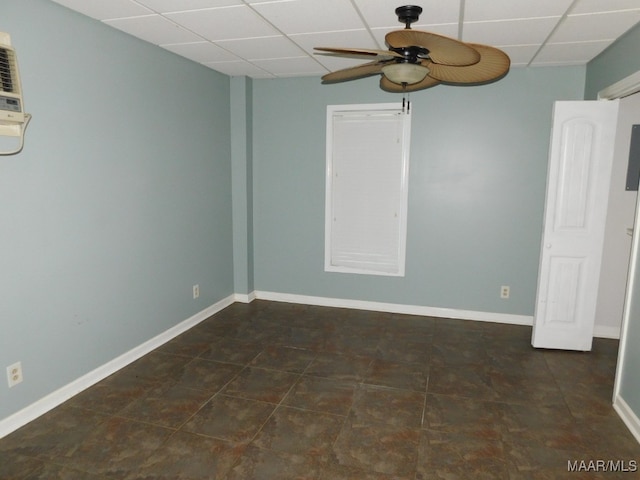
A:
(333, 110)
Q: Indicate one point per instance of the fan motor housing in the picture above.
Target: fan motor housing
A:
(411, 54)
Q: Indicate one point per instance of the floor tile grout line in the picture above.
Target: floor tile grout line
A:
(248, 365)
(426, 393)
(347, 417)
(220, 390)
(277, 406)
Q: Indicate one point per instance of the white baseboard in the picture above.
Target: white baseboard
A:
(601, 331)
(397, 308)
(52, 400)
(627, 415)
(244, 297)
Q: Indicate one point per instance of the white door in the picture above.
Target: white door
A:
(578, 182)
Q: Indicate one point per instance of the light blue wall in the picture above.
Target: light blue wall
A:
(119, 203)
(476, 191)
(618, 61)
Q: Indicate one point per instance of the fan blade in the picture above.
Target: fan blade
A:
(442, 50)
(358, 52)
(493, 65)
(389, 86)
(354, 73)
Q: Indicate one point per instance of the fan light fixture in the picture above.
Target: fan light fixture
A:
(416, 60)
(405, 73)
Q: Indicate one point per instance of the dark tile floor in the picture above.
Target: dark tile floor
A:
(279, 391)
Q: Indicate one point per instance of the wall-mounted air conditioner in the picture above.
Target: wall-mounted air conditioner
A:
(13, 119)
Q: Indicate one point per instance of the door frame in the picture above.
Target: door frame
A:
(627, 86)
(623, 88)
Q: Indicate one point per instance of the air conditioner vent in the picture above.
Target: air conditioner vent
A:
(13, 119)
(8, 71)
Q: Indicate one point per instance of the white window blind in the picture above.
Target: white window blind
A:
(366, 189)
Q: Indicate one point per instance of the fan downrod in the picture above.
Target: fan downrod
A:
(408, 14)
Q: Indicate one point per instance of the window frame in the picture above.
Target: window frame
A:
(404, 123)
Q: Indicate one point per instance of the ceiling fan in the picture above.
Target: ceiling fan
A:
(417, 60)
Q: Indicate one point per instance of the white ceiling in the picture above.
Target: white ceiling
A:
(275, 38)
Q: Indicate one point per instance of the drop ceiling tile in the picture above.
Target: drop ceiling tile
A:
(596, 26)
(509, 32)
(101, 9)
(291, 66)
(201, 52)
(225, 23)
(238, 69)
(594, 6)
(233, 35)
(261, 48)
(166, 6)
(569, 53)
(381, 13)
(153, 28)
(307, 16)
(482, 10)
(520, 54)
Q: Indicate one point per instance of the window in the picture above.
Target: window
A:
(366, 189)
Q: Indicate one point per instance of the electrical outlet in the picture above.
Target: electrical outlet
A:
(196, 291)
(14, 374)
(504, 291)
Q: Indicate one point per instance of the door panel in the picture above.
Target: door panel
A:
(564, 290)
(578, 183)
(575, 180)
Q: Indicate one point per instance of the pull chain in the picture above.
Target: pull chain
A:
(405, 101)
